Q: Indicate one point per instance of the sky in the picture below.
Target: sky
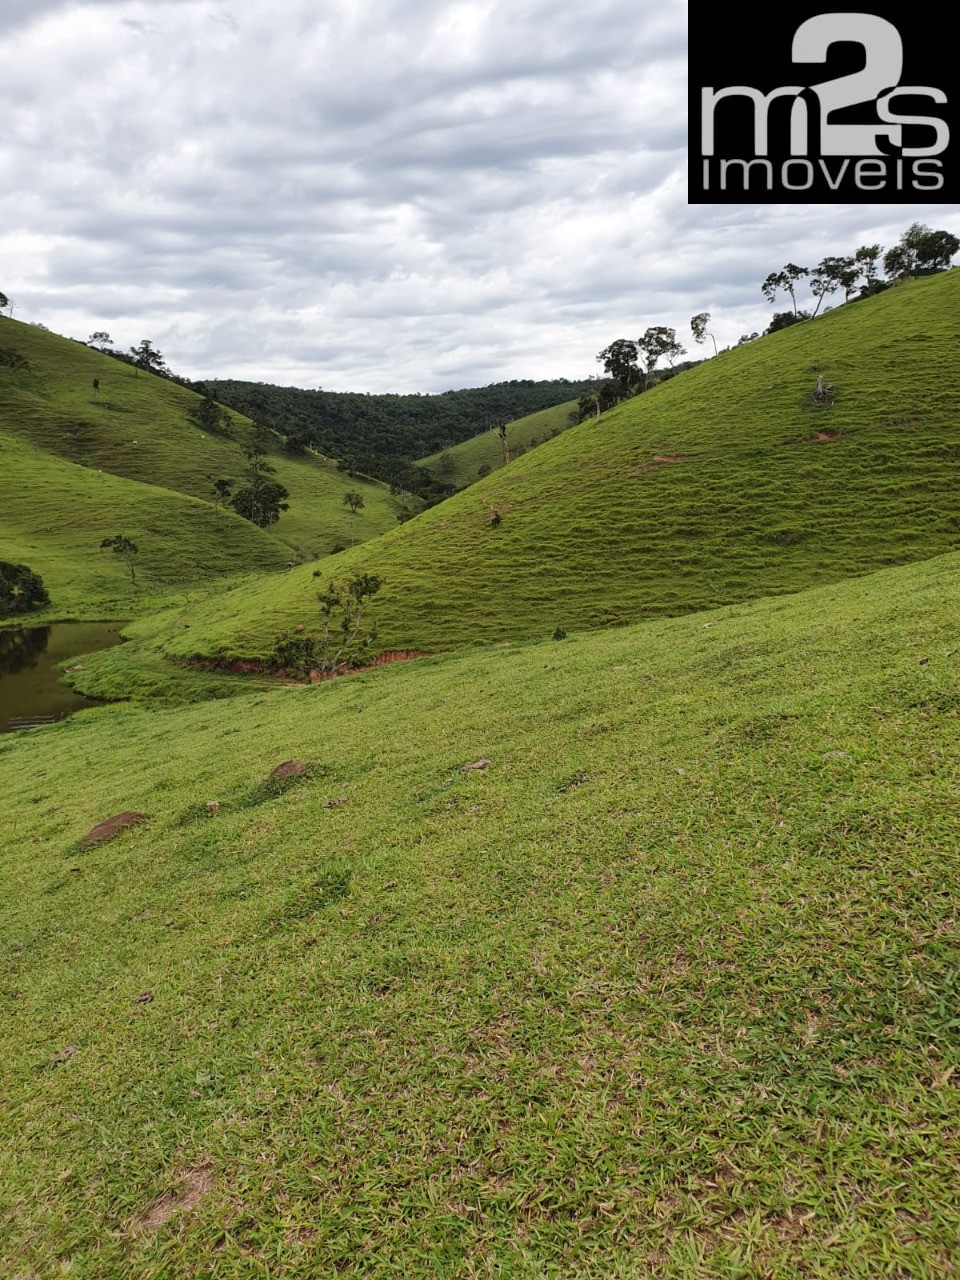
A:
(375, 196)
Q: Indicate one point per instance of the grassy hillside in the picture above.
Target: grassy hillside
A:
(59, 436)
(485, 449)
(665, 987)
(724, 483)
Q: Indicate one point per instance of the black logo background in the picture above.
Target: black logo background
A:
(726, 50)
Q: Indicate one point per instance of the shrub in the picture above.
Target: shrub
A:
(20, 590)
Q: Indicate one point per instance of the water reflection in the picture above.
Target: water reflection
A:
(22, 648)
(32, 690)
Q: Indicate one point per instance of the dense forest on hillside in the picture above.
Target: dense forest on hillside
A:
(346, 424)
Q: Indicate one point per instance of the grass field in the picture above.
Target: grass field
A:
(667, 987)
(79, 467)
(485, 449)
(722, 484)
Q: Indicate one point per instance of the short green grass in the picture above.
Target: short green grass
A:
(485, 449)
(79, 467)
(725, 483)
(668, 988)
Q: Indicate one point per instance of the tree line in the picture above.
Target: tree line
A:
(632, 364)
(919, 251)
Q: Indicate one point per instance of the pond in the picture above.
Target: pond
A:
(32, 691)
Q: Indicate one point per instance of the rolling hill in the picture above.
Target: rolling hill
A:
(79, 465)
(484, 450)
(722, 484)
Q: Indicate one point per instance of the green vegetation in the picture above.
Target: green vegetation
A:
(483, 451)
(21, 590)
(629, 956)
(366, 429)
(82, 460)
(722, 484)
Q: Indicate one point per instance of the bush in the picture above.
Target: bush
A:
(20, 590)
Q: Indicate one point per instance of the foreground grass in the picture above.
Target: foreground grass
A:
(723, 484)
(485, 449)
(667, 988)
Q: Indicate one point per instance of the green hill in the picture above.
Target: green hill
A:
(80, 465)
(485, 450)
(632, 955)
(722, 484)
(355, 425)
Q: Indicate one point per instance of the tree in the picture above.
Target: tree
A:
(210, 416)
(354, 500)
(147, 357)
(484, 469)
(619, 362)
(920, 249)
(501, 429)
(221, 494)
(21, 589)
(4, 301)
(867, 258)
(446, 465)
(123, 547)
(658, 341)
(831, 274)
(698, 327)
(781, 320)
(935, 249)
(261, 501)
(784, 281)
(100, 338)
(343, 640)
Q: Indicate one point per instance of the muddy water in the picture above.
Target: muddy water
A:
(32, 691)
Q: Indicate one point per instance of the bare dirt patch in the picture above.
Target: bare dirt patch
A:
(190, 1189)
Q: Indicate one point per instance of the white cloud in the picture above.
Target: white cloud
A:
(374, 196)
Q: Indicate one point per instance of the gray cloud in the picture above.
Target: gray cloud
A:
(373, 196)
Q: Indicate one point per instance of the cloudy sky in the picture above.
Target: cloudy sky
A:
(368, 195)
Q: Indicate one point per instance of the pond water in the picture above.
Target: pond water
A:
(32, 691)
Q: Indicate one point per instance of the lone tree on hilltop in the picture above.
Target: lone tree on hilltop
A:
(101, 339)
(123, 547)
(698, 327)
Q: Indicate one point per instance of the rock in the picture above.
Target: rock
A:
(145, 997)
(113, 826)
(213, 807)
(477, 764)
(65, 1055)
(299, 627)
(289, 769)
